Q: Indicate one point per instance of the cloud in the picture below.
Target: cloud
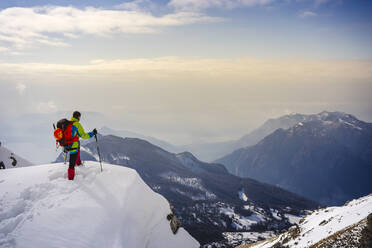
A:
(137, 5)
(179, 69)
(47, 107)
(206, 4)
(50, 25)
(307, 14)
(176, 97)
(20, 88)
(317, 3)
(3, 49)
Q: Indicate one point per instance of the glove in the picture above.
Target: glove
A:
(94, 131)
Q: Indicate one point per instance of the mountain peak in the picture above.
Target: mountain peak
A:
(188, 155)
(335, 116)
(330, 148)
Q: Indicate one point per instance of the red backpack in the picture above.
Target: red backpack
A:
(63, 134)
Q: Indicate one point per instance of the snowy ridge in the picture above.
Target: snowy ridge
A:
(5, 157)
(115, 208)
(321, 224)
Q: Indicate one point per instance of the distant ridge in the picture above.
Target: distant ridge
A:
(325, 157)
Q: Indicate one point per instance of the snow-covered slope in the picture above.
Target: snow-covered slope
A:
(39, 207)
(322, 225)
(5, 157)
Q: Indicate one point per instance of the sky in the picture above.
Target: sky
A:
(185, 71)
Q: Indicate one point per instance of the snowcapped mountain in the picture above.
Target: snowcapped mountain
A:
(326, 158)
(328, 227)
(207, 199)
(5, 157)
(115, 208)
(213, 151)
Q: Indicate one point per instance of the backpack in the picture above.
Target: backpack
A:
(63, 134)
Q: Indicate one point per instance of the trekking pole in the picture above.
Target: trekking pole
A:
(64, 157)
(99, 154)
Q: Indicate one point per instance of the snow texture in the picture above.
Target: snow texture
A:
(236, 237)
(191, 182)
(242, 195)
(39, 207)
(324, 223)
(242, 222)
(274, 213)
(293, 219)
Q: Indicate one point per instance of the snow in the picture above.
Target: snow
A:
(293, 219)
(39, 207)
(119, 157)
(86, 149)
(248, 237)
(351, 125)
(254, 208)
(242, 195)
(325, 222)
(274, 213)
(242, 222)
(191, 182)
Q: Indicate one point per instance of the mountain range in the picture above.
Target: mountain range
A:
(212, 151)
(208, 200)
(325, 157)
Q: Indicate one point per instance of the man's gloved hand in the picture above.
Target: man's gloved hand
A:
(94, 131)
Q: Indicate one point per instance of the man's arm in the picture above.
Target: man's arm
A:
(81, 133)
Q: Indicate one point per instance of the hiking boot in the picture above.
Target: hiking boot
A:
(71, 173)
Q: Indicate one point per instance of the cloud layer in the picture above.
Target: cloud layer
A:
(51, 25)
(201, 69)
(188, 99)
(307, 14)
(206, 4)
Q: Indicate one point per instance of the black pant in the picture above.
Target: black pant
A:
(73, 158)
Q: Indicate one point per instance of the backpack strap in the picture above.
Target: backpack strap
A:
(69, 140)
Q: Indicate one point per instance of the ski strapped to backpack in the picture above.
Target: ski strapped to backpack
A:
(63, 134)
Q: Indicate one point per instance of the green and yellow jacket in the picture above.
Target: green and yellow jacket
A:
(78, 130)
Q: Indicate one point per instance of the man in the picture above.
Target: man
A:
(77, 131)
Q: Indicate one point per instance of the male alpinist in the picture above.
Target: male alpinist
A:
(77, 131)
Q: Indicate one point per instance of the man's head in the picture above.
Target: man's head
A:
(76, 115)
